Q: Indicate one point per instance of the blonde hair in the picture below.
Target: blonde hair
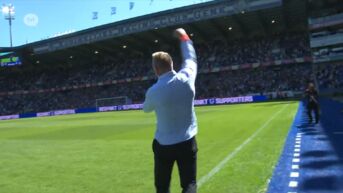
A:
(163, 60)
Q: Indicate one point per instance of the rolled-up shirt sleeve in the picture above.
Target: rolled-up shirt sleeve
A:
(189, 63)
(148, 105)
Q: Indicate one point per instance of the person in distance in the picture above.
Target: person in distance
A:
(312, 103)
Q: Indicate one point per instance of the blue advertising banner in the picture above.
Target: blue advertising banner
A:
(199, 102)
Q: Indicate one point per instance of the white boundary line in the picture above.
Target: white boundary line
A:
(218, 167)
(293, 183)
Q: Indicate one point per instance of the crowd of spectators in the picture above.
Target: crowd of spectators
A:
(254, 81)
(70, 99)
(96, 69)
(116, 66)
(219, 84)
(259, 50)
(119, 66)
(329, 76)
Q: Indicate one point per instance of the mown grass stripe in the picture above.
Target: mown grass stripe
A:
(221, 164)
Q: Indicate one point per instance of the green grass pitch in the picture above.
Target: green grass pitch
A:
(111, 152)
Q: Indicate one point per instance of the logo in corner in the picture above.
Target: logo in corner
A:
(31, 20)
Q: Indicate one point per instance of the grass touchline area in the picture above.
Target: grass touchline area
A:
(218, 167)
(111, 152)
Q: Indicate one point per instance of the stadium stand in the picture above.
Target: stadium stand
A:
(330, 76)
(115, 67)
(278, 61)
(62, 86)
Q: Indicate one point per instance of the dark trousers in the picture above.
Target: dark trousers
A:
(313, 107)
(185, 155)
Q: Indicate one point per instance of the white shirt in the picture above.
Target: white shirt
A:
(172, 99)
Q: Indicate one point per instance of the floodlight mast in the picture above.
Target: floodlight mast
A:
(8, 12)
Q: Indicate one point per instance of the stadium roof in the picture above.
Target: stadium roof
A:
(290, 15)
